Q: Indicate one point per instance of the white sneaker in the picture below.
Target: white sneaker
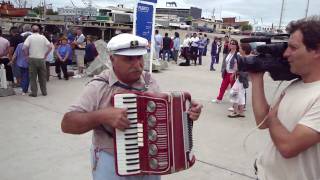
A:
(77, 76)
(216, 101)
(231, 109)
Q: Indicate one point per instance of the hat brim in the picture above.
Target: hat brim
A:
(132, 52)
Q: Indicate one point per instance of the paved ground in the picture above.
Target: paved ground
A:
(34, 148)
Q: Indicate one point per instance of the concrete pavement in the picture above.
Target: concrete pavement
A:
(34, 148)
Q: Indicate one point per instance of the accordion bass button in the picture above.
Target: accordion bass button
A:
(153, 150)
(153, 163)
(152, 135)
(151, 106)
(152, 121)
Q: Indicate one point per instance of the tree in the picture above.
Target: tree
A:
(20, 3)
(246, 27)
(37, 10)
(51, 12)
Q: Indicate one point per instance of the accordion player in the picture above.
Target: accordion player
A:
(159, 139)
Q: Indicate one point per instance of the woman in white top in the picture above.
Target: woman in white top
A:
(228, 69)
(241, 83)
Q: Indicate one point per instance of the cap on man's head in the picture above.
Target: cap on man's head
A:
(127, 45)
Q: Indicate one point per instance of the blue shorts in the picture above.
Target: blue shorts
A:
(103, 168)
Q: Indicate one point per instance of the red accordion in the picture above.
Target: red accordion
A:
(159, 139)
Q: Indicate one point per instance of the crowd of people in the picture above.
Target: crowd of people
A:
(195, 46)
(28, 56)
(191, 48)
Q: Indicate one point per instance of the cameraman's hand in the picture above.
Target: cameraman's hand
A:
(256, 75)
(115, 117)
(273, 113)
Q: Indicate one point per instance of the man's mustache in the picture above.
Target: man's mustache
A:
(135, 70)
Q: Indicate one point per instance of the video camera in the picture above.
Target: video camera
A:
(269, 58)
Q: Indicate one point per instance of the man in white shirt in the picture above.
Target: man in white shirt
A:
(4, 58)
(294, 120)
(80, 45)
(194, 47)
(157, 43)
(37, 47)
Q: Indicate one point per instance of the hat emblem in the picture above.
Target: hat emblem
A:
(134, 44)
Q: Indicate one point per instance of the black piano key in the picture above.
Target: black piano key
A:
(131, 138)
(128, 149)
(132, 159)
(130, 134)
(133, 112)
(129, 97)
(132, 170)
(131, 118)
(135, 127)
(133, 153)
(134, 144)
(129, 102)
(135, 163)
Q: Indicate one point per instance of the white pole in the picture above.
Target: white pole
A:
(152, 38)
(281, 14)
(135, 18)
(307, 9)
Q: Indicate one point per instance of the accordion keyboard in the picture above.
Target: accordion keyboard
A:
(128, 141)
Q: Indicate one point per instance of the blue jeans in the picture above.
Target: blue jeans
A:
(104, 168)
(24, 79)
(164, 52)
(200, 50)
(213, 61)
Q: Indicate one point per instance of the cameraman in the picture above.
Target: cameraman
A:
(294, 120)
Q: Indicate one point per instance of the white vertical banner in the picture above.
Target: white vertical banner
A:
(143, 23)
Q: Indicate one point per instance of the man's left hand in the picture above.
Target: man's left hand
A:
(195, 110)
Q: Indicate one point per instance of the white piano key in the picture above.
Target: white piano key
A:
(140, 130)
(133, 115)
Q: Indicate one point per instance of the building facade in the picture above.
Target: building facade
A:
(193, 12)
(89, 11)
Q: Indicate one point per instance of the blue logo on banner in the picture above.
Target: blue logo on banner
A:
(144, 20)
(153, 1)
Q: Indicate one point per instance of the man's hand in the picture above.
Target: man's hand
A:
(273, 113)
(10, 63)
(195, 110)
(255, 76)
(115, 117)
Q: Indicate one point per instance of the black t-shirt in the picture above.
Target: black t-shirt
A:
(166, 43)
(15, 40)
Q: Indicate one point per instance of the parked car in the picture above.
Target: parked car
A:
(248, 32)
(229, 30)
(204, 29)
(159, 26)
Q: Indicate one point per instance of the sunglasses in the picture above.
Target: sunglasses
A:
(233, 43)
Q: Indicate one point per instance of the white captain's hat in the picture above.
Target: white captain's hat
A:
(127, 45)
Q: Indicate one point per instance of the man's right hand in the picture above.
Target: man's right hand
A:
(115, 117)
(256, 76)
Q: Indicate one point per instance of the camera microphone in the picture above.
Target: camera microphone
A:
(256, 39)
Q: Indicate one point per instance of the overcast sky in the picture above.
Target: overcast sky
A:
(262, 11)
